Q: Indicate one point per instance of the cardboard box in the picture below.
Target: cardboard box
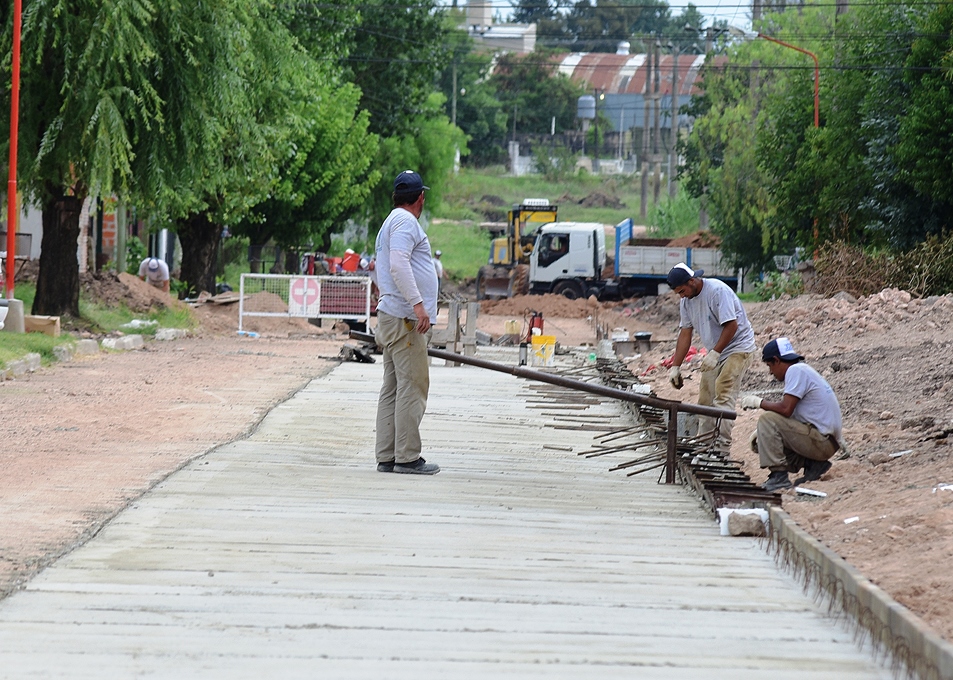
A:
(50, 325)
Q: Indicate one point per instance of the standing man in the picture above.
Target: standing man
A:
(804, 429)
(710, 307)
(405, 312)
(438, 266)
(156, 272)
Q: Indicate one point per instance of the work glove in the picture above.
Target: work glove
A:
(750, 401)
(710, 361)
(675, 377)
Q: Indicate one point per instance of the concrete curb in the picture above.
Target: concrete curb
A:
(912, 645)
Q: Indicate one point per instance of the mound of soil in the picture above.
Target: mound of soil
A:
(598, 199)
(701, 239)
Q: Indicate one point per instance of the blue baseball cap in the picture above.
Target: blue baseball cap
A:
(409, 181)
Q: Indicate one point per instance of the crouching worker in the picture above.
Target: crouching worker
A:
(804, 429)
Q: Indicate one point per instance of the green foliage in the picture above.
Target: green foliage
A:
(104, 319)
(136, 252)
(465, 247)
(529, 88)
(555, 164)
(431, 152)
(15, 346)
(776, 284)
(394, 58)
(674, 217)
(467, 189)
(479, 112)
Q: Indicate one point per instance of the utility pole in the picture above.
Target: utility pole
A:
(453, 98)
(657, 136)
(672, 154)
(646, 134)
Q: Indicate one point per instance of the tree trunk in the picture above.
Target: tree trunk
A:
(199, 239)
(57, 283)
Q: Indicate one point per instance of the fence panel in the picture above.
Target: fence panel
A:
(309, 297)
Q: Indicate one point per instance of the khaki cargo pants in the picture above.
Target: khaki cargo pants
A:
(784, 443)
(719, 388)
(403, 396)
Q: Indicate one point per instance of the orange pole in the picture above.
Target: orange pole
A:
(817, 75)
(12, 212)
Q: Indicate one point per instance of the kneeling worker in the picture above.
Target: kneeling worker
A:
(804, 428)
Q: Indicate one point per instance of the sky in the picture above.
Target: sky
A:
(735, 12)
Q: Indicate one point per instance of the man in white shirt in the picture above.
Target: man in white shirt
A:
(406, 311)
(804, 429)
(155, 272)
(711, 308)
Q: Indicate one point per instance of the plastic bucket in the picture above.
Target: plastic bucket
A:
(350, 262)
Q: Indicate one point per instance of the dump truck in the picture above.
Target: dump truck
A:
(507, 268)
(569, 258)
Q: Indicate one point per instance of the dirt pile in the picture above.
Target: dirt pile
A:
(888, 510)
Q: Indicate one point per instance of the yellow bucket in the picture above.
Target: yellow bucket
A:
(544, 350)
(511, 327)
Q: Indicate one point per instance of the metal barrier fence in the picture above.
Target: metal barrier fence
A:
(308, 297)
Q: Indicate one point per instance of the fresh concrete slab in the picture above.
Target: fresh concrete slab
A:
(286, 555)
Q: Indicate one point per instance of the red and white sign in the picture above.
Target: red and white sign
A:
(304, 296)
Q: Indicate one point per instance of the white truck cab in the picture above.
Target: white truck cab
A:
(567, 258)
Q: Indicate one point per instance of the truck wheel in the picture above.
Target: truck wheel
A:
(568, 289)
(593, 292)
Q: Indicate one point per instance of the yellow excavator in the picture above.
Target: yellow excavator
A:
(507, 270)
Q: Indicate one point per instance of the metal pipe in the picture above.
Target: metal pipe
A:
(673, 407)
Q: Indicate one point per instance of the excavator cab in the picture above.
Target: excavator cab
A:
(509, 253)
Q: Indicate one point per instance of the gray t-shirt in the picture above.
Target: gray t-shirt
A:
(818, 405)
(711, 309)
(400, 287)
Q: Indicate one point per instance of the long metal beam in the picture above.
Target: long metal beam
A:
(582, 386)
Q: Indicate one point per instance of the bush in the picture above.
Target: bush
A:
(776, 284)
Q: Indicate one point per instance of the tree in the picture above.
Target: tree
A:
(532, 91)
(431, 152)
(479, 114)
(326, 177)
(601, 26)
(924, 151)
(394, 57)
(86, 97)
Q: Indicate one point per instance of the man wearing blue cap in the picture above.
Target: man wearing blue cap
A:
(711, 308)
(804, 429)
(406, 310)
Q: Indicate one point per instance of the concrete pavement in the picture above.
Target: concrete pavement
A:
(286, 555)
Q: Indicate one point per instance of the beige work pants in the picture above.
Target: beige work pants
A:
(784, 443)
(719, 387)
(403, 396)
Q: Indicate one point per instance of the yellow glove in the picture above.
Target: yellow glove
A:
(675, 377)
(750, 401)
(710, 361)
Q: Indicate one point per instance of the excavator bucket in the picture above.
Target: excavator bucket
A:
(502, 282)
(490, 287)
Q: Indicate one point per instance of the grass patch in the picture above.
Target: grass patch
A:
(104, 319)
(15, 346)
(465, 193)
(465, 247)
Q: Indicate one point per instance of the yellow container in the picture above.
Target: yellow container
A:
(511, 327)
(544, 350)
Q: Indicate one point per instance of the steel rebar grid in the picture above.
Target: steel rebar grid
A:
(671, 407)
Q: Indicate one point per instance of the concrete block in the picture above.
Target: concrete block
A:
(171, 333)
(63, 353)
(86, 347)
(125, 343)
